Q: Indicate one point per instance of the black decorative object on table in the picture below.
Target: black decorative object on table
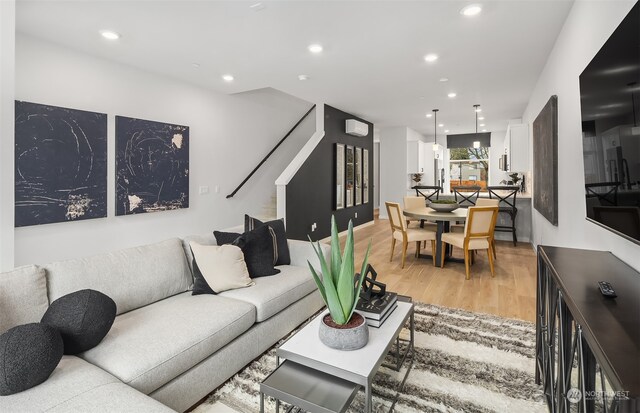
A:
(28, 355)
(60, 164)
(83, 319)
(152, 166)
(368, 284)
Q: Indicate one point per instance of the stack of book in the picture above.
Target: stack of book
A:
(377, 309)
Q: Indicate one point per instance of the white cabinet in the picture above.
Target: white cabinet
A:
(516, 147)
(416, 157)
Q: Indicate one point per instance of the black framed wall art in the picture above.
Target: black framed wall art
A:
(152, 166)
(60, 164)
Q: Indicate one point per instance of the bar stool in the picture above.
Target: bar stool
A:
(506, 197)
(466, 195)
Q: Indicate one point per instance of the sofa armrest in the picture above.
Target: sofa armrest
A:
(302, 251)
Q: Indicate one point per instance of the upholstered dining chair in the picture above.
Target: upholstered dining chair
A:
(478, 232)
(493, 203)
(400, 232)
(413, 202)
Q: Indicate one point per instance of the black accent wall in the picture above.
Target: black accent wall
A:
(310, 194)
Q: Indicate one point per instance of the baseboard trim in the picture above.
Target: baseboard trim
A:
(359, 227)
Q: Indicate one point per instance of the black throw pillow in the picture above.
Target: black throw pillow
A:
(278, 231)
(83, 318)
(257, 247)
(200, 285)
(28, 355)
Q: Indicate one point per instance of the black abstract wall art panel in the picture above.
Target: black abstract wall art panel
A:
(152, 166)
(60, 164)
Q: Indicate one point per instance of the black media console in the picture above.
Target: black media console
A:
(587, 344)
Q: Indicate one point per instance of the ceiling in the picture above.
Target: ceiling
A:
(372, 64)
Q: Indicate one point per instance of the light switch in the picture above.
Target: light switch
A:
(204, 190)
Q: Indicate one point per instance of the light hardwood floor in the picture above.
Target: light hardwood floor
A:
(511, 293)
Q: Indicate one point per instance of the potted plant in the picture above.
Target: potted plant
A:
(417, 178)
(342, 328)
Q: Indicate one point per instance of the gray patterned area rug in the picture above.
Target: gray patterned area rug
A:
(464, 362)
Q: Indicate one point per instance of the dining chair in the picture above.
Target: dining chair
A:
(466, 196)
(493, 203)
(413, 202)
(400, 232)
(506, 196)
(478, 232)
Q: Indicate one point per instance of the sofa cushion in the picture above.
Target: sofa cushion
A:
(271, 295)
(132, 277)
(77, 386)
(148, 347)
(28, 355)
(83, 318)
(23, 296)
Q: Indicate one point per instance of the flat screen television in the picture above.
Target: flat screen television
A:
(610, 105)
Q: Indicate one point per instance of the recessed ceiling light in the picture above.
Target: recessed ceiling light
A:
(303, 77)
(482, 124)
(484, 130)
(446, 131)
(478, 110)
(440, 125)
(452, 95)
(315, 48)
(481, 118)
(110, 34)
(444, 79)
(471, 10)
(429, 115)
(196, 65)
(431, 57)
(257, 6)
(227, 78)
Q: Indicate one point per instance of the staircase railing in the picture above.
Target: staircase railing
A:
(271, 152)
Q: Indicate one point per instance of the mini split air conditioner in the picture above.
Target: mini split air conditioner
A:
(356, 128)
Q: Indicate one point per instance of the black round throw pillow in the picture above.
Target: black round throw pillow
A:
(28, 355)
(83, 319)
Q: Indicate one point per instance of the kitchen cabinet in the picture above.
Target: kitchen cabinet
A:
(516, 147)
(416, 157)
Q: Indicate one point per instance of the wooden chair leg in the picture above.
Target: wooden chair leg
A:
(466, 263)
(393, 246)
(490, 254)
(444, 246)
(418, 248)
(404, 252)
(433, 251)
(493, 248)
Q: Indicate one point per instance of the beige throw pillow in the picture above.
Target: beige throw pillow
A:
(222, 266)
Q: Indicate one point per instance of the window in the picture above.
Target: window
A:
(468, 167)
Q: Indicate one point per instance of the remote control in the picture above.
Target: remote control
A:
(606, 289)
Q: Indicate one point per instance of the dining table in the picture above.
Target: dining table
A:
(443, 221)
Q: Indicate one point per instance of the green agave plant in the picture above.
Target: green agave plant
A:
(338, 285)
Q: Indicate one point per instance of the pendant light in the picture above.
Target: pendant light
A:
(476, 144)
(436, 147)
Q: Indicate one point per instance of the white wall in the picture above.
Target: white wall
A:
(7, 73)
(588, 26)
(229, 135)
(393, 166)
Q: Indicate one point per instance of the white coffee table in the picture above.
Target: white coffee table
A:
(358, 366)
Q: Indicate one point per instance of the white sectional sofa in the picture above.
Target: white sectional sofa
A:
(166, 349)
